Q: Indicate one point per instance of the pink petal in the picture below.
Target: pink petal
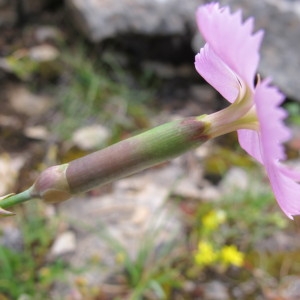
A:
(231, 39)
(216, 73)
(250, 141)
(293, 174)
(266, 144)
(286, 190)
(270, 115)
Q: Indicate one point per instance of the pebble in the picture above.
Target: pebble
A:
(23, 101)
(65, 243)
(215, 290)
(90, 137)
(11, 238)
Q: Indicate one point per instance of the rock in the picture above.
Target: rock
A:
(215, 290)
(236, 179)
(245, 289)
(186, 188)
(65, 243)
(27, 103)
(37, 132)
(280, 19)
(11, 237)
(24, 297)
(210, 193)
(90, 137)
(105, 19)
(290, 288)
(10, 166)
(43, 53)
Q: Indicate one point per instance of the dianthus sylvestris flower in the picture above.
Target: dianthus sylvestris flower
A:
(228, 62)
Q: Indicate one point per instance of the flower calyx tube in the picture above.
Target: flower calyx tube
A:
(157, 145)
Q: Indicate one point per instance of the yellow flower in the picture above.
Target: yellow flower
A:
(205, 254)
(213, 219)
(230, 255)
(120, 257)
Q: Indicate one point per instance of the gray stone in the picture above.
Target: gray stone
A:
(91, 137)
(290, 287)
(279, 18)
(236, 179)
(12, 238)
(104, 19)
(24, 102)
(215, 290)
(65, 243)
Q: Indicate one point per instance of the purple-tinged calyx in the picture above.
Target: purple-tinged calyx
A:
(59, 183)
(52, 185)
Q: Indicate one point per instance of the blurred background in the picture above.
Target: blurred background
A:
(79, 75)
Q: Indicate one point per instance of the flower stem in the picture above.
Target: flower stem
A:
(16, 199)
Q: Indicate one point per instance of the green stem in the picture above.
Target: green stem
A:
(16, 199)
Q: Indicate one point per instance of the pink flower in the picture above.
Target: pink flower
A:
(229, 61)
